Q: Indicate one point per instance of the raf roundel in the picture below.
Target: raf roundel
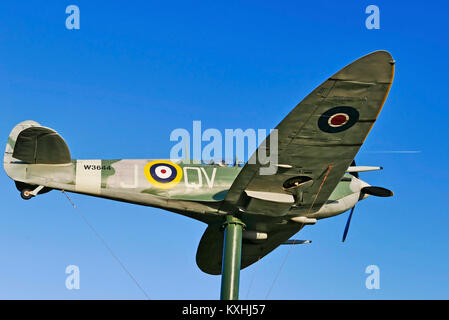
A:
(338, 119)
(163, 174)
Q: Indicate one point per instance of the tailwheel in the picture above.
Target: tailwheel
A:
(26, 194)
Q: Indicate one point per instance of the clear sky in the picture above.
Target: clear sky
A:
(135, 71)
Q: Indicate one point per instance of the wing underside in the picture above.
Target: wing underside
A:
(210, 250)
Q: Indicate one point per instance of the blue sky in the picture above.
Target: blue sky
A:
(135, 71)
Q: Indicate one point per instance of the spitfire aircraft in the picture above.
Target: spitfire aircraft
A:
(247, 214)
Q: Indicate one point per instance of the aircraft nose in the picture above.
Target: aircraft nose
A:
(363, 184)
(359, 185)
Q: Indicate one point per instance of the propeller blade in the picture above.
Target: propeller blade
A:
(377, 191)
(345, 233)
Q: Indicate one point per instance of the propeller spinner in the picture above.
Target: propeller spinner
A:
(370, 190)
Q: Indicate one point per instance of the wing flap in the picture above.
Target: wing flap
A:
(271, 196)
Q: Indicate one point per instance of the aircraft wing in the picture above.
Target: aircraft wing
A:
(210, 250)
(317, 142)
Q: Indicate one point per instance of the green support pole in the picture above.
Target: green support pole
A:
(232, 256)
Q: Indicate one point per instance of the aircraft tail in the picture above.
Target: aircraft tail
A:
(31, 143)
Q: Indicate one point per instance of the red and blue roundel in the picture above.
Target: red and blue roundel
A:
(163, 174)
(338, 119)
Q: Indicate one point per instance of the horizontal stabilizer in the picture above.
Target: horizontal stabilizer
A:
(31, 143)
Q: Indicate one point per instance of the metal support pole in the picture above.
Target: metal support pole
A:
(232, 255)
